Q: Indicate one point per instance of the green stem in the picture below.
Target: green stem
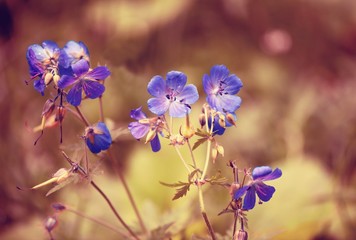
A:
(86, 122)
(192, 154)
(182, 159)
(207, 160)
(114, 211)
(203, 212)
(128, 192)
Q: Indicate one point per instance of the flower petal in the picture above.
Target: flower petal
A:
(233, 84)
(224, 103)
(138, 130)
(74, 95)
(240, 192)
(66, 81)
(51, 48)
(98, 73)
(157, 86)
(176, 81)
(208, 84)
(39, 85)
(178, 109)
(93, 89)
(158, 106)
(73, 52)
(260, 172)
(94, 148)
(277, 173)
(264, 192)
(218, 73)
(155, 144)
(137, 114)
(80, 67)
(189, 94)
(250, 199)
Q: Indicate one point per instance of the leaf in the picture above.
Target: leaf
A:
(202, 133)
(192, 174)
(217, 179)
(181, 192)
(199, 142)
(173, 185)
(70, 179)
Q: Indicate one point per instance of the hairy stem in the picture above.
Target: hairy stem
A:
(114, 211)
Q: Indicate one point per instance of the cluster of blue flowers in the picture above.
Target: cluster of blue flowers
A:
(68, 68)
(175, 97)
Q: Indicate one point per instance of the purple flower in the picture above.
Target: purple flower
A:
(218, 128)
(43, 63)
(264, 192)
(84, 80)
(221, 88)
(171, 95)
(146, 126)
(97, 137)
(72, 53)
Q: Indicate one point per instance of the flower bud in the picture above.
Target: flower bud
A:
(214, 154)
(241, 235)
(48, 78)
(150, 135)
(220, 150)
(230, 118)
(202, 120)
(222, 121)
(56, 78)
(50, 223)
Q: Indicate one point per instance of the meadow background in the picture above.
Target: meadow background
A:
(297, 60)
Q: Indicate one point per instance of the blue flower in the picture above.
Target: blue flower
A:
(84, 80)
(43, 63)
(146, 126)
(171, 95)
(221, 88)
(72, 53)
(264, 192)
(97, 137)
(219, 128)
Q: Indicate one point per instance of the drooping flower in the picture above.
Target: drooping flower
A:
(171, 95)
(146, 126)
(85, 80)
(72, 53)
(43, 63)
(221, 89)
(97, 137)
(264, 192)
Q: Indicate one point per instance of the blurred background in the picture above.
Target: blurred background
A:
(296, 60)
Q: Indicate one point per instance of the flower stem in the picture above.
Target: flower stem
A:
(182, 159)
(114, 211)
(128, 192)
(101, 109)
(191, 154)
(203, 212)
(207, 160)
(82, 117)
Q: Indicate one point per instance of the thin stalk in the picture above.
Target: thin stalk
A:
(203, 212)
(97, 221)
(182, 159)
(192, 154)
(86, 122)
(207, 160)
(128, 192)
(101, 109)
(114, 211)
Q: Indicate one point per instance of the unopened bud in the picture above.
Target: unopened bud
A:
(241, 235)
(61, 175)
(50, 223)
(214, 154)
(48, 78)
(58, 206)
(48, 108)
(230, 118)
(56, 78)
(202, 120)
(220, 150)
(222, 121)
(150, 135)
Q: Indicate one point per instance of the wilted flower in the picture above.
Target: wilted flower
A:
(146, 126)
(72, 53)
(84, 79)
(264, 192)
(43, 63)
(97, 137)
(221, 88)
(171, 95)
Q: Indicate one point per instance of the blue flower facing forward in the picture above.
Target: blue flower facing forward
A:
(264, 192)
(221, 89)
(146, 126)
(43, 63)
(97, 137)
(85, 80)
(171, 95)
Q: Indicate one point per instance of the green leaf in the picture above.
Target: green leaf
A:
(199, 142)
(173, 185)
(192, 174)
(182, 191)
(217, 179)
